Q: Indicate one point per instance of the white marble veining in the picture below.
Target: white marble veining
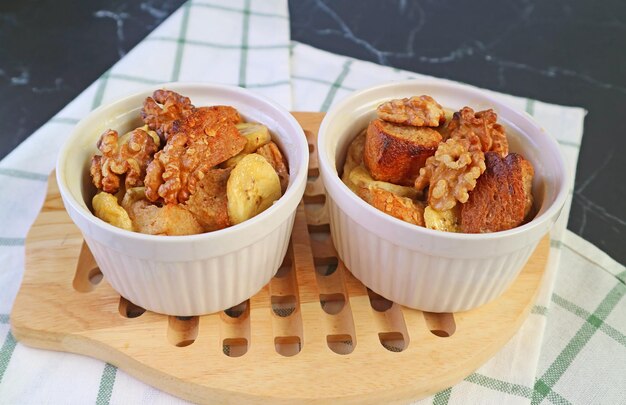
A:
(119, 19)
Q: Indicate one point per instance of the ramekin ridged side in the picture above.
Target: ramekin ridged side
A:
(187, 288)
(411, 276)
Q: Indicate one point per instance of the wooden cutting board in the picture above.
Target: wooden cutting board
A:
(314, 334)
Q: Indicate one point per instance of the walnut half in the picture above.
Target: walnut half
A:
(126, 156)
(482, 124)
(422, 111)
(452, 172)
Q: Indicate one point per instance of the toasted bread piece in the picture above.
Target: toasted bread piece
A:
(170, 219)
(395, 153)
(502, 197)
(399, 207)
(208, 203)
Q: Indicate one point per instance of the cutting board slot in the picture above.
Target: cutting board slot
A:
(378, 302)
(88, 274)
(129, 310)
(288, 345)
(283, 305)
(339, 318)
(235, 329)
(340, 343)
(392, 341)
(235, 347)
(440, 324)
(182, 331)
(314, 191)
(326, 267)
(284, 299)
(390, 323)
(238, 310)
(332, 304)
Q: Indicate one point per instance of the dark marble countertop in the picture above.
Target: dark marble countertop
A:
(566, 52)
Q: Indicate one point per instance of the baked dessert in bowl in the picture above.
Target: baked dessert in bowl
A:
(198, 234)
(380, 208)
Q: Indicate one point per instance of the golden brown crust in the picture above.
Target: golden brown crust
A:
(399, 207)
(499, 201)
(422, 111)
(272, 154)
(204, 139)
(482, 124)
(165, 108)
(122, 157)
(395, 153)
(209, 203)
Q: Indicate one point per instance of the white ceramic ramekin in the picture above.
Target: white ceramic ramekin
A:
(195, 274)
(422, 268)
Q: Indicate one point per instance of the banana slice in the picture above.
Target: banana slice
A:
(152, 134)
(106, 207)
(359, 177)
(133, 195)
(252, 187)
(257, 135)
(232, 162)
(354, 157)
(448, 221)
(124, 138)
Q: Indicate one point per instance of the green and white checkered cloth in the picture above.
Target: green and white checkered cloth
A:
(572, 348)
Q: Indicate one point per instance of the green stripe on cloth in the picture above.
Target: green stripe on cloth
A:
(539, 310)
(64, 120)
(556, 243)
(178, 58)
(530, 106)
(499, 385)
(23, 174)
(12, 241)
(274, 84)
(610, 331)
(107, 381)
(321, 81)
(442, 397)
(4, 318)
(559, 366)
(216, 45)
(552, 396)
(557, 399)
(102, 84)
(243, 61)
(621, 276)
(335, 86)
(6, 352)
(236, 10)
